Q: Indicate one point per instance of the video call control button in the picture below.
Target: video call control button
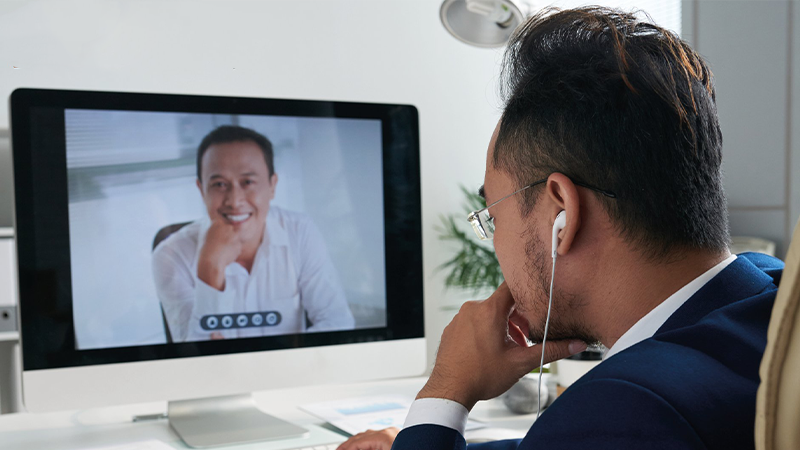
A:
(211, 322)
(241, 320)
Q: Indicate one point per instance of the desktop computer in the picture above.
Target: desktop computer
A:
(195, 249)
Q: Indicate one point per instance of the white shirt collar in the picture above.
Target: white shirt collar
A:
(647, 326)
(275, 233)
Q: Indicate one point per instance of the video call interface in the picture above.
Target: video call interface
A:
(189, 227)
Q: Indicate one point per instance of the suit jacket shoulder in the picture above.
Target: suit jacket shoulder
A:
(691, 386)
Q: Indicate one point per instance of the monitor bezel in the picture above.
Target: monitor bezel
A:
(42, 227)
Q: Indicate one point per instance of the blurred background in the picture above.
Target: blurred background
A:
(396, 51)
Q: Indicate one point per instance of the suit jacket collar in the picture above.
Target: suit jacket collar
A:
(743, 278)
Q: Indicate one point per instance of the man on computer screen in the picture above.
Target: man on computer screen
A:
(604, 189)
(249, 268)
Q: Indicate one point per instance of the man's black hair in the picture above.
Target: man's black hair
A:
(234, 133)
(623, 105)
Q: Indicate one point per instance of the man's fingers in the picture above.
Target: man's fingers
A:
(218, 221)
(517, 335)
(371, 440)
(221, 223)
(349, 444)
(554, 350)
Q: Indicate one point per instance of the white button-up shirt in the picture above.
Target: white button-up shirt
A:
(438, 411)
(291, 275)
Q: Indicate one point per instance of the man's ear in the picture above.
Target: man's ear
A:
(273, 181)
(200, 186)
(563, 196)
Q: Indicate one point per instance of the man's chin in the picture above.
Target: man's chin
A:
(538, 337)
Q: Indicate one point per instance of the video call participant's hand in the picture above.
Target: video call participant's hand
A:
(371, 440)
(482, 353)
(221, 247)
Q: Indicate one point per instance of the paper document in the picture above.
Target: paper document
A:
(355, 415)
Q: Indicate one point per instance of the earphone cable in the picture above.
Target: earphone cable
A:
(544, 338)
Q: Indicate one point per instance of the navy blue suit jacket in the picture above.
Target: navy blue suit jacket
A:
(691, 386)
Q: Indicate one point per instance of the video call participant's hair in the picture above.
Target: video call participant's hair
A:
(624, 105)
(233, 133)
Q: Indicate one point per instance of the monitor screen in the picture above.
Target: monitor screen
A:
(282, 208)
(164, 226)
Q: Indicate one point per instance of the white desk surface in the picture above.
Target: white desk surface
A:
(86, 429)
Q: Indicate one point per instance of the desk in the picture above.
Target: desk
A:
(75, 430)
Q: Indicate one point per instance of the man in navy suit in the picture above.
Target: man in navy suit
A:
(613, 121)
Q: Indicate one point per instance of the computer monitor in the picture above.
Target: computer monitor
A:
(196, 248)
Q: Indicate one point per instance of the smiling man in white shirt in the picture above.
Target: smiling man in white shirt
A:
(249, 268)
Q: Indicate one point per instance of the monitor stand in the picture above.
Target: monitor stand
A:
(235, 419)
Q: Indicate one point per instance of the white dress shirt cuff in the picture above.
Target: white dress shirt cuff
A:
(209, 301)
(437, 411)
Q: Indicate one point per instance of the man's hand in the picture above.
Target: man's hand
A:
(482, 354)
(371, 440)
(221, 247)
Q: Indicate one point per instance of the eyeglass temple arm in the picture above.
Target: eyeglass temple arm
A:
(599, 191)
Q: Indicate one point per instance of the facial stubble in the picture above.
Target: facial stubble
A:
(565, 317)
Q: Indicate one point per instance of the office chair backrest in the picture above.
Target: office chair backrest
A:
(778, 401)
(166, 231)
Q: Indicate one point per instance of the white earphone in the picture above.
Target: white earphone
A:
(558, 225)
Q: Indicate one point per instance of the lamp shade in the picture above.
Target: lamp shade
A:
(482, 23)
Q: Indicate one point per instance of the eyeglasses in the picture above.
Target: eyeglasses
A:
(483, 223)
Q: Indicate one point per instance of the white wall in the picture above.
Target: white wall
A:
(397, 51)
(794, 115)
(392, 51)
(753, 49)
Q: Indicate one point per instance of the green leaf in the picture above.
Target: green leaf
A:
(474, 266)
